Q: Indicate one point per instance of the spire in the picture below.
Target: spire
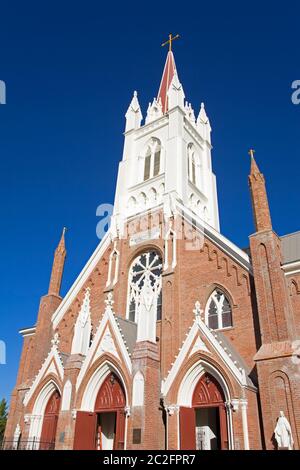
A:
(260, 204)
(133, 114)
(203, 124)
(167, 77)
(58, 266)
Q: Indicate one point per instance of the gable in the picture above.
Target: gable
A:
(108, 339)
(52, 366)
(201, 338)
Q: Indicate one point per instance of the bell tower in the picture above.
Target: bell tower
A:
(168, 157)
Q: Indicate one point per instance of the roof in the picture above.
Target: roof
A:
(291, 247)
(235, 356)
(129, 330)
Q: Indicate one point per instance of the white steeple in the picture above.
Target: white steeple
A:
(134, 115)
(169, 157)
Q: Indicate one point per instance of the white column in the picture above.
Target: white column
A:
(244, 404)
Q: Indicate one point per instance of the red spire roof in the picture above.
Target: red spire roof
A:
(168, 74)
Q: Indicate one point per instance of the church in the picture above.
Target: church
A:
(171, 337)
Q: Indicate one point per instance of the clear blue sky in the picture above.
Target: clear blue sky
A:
(70, 70)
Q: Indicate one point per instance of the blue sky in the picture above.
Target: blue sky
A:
(70, 69)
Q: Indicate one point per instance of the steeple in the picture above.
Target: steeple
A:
(167, 77)
(260, 205)
(58, 266)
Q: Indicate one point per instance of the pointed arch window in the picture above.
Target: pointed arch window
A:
(148, 263)
(152, 166)
(218, 313)
(193, 164)
(147, 164)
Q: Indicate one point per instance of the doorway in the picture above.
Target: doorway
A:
(207, 428)
(204, 424)
(106, 430)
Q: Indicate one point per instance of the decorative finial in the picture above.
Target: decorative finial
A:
(55, 339)
(109, 300)
(170, 40)
(198, 311)
(251, 153)
(135, 93)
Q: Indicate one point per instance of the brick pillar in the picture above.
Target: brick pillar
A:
(276, 370)
(145, 425)
(67, 417)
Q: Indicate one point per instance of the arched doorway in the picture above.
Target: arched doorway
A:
(103, 429)
(203, 426)
(48, 433)
(110, 404)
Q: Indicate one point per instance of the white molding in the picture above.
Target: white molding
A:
(36, 418)
(66, 396)
(199, 326)
(27, 331)
(107, 319)
(81, 279)
(53, 356)
(94, 384)
(291, 268)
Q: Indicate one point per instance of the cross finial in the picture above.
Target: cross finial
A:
(170, 40)
(251, 153)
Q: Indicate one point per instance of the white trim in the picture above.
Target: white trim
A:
(199, 326)
(244, 405)
(27, 331)
(81, 279)
(108, 318)
(36, 418)
(52, 356)
(192, 377)
(291, 268)
(91, 391)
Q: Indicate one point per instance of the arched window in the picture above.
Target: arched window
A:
(152, 159)
(193, 165)
(147, 164)
(218, 311)
(146, 265)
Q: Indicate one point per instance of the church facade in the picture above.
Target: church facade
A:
(171, 337)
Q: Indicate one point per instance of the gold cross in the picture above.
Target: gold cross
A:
(170, 40)
(251, 153)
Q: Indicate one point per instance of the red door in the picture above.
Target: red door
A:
(187, 420)
(85, 430)
(50, 422)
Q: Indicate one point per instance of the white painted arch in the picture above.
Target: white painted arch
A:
(187, 387)
(36, 418)
(93, 386)
(192, 377)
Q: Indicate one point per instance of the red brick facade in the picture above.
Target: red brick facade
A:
(253, 360)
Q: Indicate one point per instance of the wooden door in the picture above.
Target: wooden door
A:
(85, 431)
(48, 434)
(187, 421)
(120, 430)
